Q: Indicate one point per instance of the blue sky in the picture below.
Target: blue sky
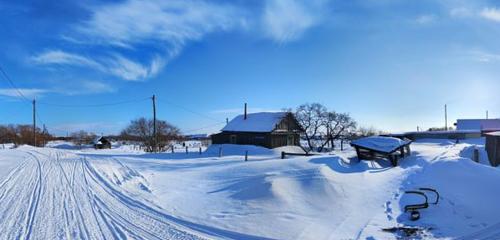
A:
(391, 64)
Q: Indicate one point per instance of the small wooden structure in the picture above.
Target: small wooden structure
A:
(378, 147)
(493, 147)
(101, 143)
(266, 129)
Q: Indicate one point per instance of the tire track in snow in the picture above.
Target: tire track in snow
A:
(55, 195)
(35, 198)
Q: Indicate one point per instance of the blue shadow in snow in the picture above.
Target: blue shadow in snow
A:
(353, 166)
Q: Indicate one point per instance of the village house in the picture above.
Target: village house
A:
(266, 129)
(101, 143)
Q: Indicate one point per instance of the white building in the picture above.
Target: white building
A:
(483, 125)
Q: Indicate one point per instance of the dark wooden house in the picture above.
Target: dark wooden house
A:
(266, 129)
(101, 143)
(493, 147)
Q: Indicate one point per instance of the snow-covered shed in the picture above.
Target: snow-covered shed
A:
(375, 147)
(482, 125)
(493, 147)
(267, 129)
(101, 143)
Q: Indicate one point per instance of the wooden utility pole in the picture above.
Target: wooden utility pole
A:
(34, 122)
(446, 117)
(155, 138)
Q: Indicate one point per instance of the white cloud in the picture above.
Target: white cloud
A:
(69, 88)
(61, 57)
(27, 92)
(81, 87)
(288, 20)
(116, 64)
(492, 14)
(175, 21)
(482, 56)
(165, 25)
(127, 69)
(460, 12)
(425, 19)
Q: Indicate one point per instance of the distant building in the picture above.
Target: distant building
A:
(101, 143)
(266, 129)
(204, 139)
(482, 125)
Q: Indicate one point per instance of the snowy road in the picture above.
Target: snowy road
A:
(54, 195)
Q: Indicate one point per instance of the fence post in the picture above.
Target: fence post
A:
(341, 144)
(220, 151)
(476, 155)
(246, 155)
(172, 148)
(282, 155)
(187, 150)
(200, 150)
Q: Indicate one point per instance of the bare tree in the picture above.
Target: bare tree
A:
(23, 134)
(311, 118)
(141, 129)
(337, 125)
(368, 131)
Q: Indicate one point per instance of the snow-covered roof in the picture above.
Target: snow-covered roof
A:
(255, 122)
(382, 144)
(496, 134)
(478, 124)
(98, 140)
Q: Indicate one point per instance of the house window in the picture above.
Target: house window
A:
(232, 139)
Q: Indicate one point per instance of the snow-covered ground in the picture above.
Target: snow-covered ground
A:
(67, 192)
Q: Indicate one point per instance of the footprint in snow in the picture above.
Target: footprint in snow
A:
(388, 210)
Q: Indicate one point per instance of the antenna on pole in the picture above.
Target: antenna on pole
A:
(446, 117)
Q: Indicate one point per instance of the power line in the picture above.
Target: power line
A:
(13, 85)
(188, 110)
(205, 127)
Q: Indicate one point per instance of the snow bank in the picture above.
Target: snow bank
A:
(289, 149)
(234, 149)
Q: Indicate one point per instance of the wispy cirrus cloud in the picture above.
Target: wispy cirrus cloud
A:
(288, 20)
(74, 87)
(425, 19)
(492, 14)
(116, 64)
(482, 56)
(166, 27)
(174, 22)
(26, 92)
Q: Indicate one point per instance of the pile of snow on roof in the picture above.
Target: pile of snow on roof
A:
(255, 122)
(382, 144)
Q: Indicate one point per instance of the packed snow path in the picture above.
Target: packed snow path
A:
(51, 195)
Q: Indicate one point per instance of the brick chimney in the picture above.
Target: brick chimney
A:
(245, 117)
